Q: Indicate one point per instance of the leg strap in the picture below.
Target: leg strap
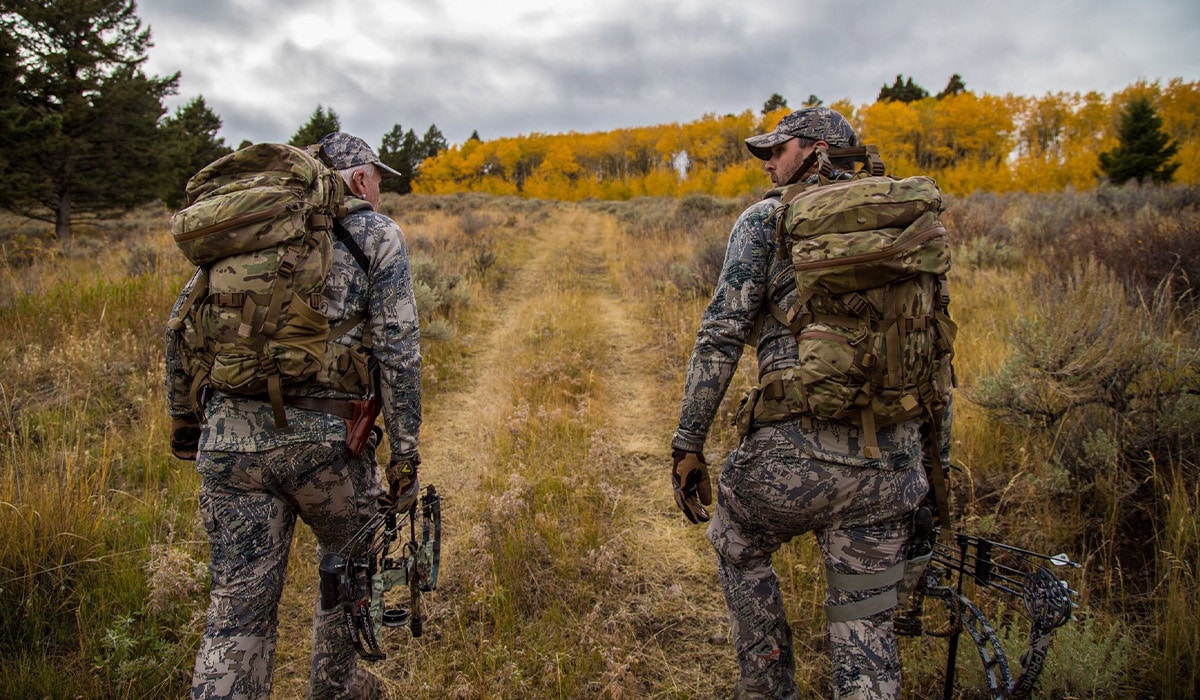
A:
(867, 607)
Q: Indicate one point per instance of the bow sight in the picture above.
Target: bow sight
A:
(357, 576)
(1047, 600)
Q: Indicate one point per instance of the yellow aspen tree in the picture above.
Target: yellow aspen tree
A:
(747, 177)
(895, 128)
(1090, 132)
(700, 180)
(436, 175)
(1040, 158)
(1179, 108)
(969, 141)
(552, 179)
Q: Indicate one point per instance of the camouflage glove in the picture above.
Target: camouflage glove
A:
(403, 487)
(185, 437)
(689, 476)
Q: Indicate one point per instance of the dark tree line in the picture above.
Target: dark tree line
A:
(905, 90)
(401, 150)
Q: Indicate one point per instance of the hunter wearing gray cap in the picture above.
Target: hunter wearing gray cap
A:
(814, 123)
(258, 480)
(347, 151)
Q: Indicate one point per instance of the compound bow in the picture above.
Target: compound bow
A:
(1047, 602)
(357, 576)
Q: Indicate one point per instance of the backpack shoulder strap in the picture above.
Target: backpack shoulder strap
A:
(356, 251)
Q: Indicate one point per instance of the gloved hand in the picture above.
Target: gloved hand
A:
(185, 437)
(403, 486)
(689, 476)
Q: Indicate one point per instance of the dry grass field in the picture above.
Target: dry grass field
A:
(555, 336)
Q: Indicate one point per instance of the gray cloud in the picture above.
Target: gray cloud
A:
(630, 64)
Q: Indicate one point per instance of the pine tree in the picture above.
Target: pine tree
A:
(433, 142)
(322, 121)
(79, 119)
(191, 142)
(955, 86)
(402, 151)
(1144, 150)
(773, 103)
(902, 91)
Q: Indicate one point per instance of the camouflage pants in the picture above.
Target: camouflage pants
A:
(770, 491)
(249, 502)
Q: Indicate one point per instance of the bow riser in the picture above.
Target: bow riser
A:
(1047, 602)
(358, 577)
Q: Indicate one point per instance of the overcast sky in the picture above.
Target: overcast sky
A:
(511, 67)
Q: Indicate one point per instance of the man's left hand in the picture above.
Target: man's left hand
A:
(403, 486)
(693, 490)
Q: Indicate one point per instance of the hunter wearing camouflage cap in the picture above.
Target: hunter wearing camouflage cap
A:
(795, 475)
(812, 123)
(258, 478)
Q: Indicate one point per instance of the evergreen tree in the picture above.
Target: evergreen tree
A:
(773, 103)
(433, 142)
(191, 142)
(902, 91)
(402, 151)
(11, 74)
(474, 136)
(1144, 150)
(322, 121)
(955, 86)
(79, 120)
(813, 101)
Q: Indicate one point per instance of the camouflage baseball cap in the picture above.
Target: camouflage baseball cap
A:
(346, 151)
(816, 123)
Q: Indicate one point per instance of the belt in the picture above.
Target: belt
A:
(338, 407)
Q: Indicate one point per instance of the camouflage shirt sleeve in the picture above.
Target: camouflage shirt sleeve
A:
(393, 325)
(728, 323)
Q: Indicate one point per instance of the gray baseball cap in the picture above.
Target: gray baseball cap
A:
(346, 151)
(816, 123)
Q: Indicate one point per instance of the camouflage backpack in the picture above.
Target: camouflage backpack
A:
(259, 225)
(869, 257)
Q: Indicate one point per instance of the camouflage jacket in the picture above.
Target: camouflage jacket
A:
(737, 316)
(385, 293)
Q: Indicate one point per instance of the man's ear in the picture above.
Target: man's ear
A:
(356, 183)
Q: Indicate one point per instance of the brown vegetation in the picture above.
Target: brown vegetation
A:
(555, 339)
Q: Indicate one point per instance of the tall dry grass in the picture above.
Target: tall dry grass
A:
(89, 500)
(1037, 486)
(568, 573)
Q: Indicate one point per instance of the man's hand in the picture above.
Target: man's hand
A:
(185, 437)
(689, 476)
(403, 487)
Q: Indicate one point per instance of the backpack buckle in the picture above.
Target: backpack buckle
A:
(857, 303)
(287, 266)
(857, 336)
